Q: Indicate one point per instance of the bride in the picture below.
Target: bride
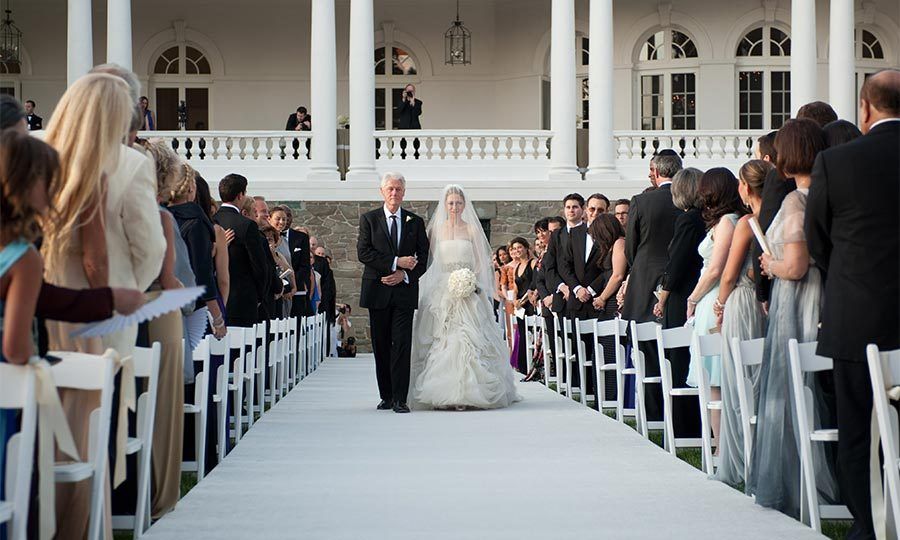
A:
(459, 357)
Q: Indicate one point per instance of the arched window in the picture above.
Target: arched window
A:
(10, 83)
(181, 73)
(667, 65)
(870, 57)
(763, 78)
(389, 83)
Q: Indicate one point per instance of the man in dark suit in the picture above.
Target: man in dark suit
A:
(35, 122)
(247, 268)
(410, 109)
(298, 243)
(328, 300)
(853, 231)
(299, 121)
(393, 246)
(268, 307)
(651, 225)
(544, 229)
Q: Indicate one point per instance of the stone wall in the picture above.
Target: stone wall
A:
(335, 224)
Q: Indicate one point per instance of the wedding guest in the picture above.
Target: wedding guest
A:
(278, 219)
(147, 116)
(620, 210)
(853, 234)
(651, 225)
(819, 112)
(681, 274)
(739, 316)
(282, 265)
(35, 122)
(765, 147)
(539, 288)
(595, 205)
(12, 115)
(328, 290)
(840, 132)
(523, 273)
(298, 244)
(220, 246)
(793, 314)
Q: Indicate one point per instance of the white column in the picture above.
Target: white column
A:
(842, 59)
(79, 40)
(601, 148)
(362, 92)
(118, 32)
(563, 164)
(803, 53)
(323, 92)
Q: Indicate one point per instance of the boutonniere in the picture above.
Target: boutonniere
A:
(408, 219)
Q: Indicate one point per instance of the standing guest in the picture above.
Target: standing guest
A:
(840, 132)
(260, 210)
(148, 117)
(539, 286)
(523, 275)
(596, 204)
(272, 301)
(248, 275)
(12, 115)
(35, 122)
(298, 244)
(819, 112)
(278, 219)
(620, 210)
(739, 316)
(679, 279)
(651, 225)
(282, 265)
(853, 233)
(106, 232)
(793, 314)
(299, 121)
(223, 237)
(328, 300)
(765, 147)
(722, 207)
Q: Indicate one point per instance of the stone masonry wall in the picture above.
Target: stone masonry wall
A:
(335, 224)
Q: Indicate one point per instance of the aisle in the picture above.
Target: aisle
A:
(325, 464)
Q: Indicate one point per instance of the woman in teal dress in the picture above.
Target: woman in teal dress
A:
(722, 208)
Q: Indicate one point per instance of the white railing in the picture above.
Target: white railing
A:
(699, 145)
(463, 145)
(237, 145)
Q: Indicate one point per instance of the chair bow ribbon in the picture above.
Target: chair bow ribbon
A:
(52, 426)
(126, 403)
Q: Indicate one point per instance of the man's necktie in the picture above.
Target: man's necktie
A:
(394, 236)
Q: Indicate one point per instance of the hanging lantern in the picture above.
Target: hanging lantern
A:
(457, 43)
(10, 41)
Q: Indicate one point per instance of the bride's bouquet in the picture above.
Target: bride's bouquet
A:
(462, 283)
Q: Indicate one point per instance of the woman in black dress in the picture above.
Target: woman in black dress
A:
(524, 277)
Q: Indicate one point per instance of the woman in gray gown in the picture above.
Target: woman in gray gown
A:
(793, 314)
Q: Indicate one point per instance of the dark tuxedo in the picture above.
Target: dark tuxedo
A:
(853, 232)
(328, 298)
(292, 123)
(579, 268)
(391, 309)
(298, 243)
(248, 269)
(775, 190)
(559, 243)
(409, 115)
(35, 122)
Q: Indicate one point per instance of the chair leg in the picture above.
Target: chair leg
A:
(669, 425)
(200, 445)
(620, 396)
(223, 426)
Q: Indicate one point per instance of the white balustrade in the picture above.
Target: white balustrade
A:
(482, 146)
(691, 145)
(236, 145)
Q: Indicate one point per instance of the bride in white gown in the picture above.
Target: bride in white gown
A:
(459, 357)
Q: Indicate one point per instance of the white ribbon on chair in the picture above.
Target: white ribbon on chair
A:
(127, 402)
(876, 485)
(52, 426)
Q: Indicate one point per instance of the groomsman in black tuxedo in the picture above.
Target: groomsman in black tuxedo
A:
(542, 284)
(35, 122)
(853, 232)
(393, 246)
(651, 225)
(298, 243)
(247, 267)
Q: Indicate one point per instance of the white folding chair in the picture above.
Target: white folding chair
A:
(803, 360)
(546, 354)
(311, 343)
(570, 359)
(562, 376)
(146, 366)
(89, 372)
(322, 337)
(618, 330)
(530, 340)
(260, 366)
(17, 391)
(707, 345)
(275, 361)
(237, 340)
(666, 340)
(302, 350)
(643, 332)
(744, 355)
(249, 375)
(615, 329)
(220, 347)
(292, 350)
(586, 328)
(884, 370)
(199, 410)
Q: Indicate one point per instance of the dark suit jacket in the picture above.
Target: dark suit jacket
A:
(35, 122)
(199, 236)
(298, 243)
(292, 123)
(248, 268)
(775, 190)
(328, 301)
(651, 226)
(684, 266)
(853, 231)
(559, 242)
(409, 115)
(576, 271)
(375, 251)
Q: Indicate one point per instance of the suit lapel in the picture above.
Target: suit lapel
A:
(381, 219)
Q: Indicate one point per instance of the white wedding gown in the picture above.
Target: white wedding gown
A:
(461, 354)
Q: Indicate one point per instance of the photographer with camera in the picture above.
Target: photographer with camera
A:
(346, 343)
(410, 109)
(299, 121)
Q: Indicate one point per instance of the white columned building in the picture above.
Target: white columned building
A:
(79, 40)
(842, 59)
(118, 33)
(323, 91)
(803, 53)
(362, 92)
(601, 145)
(563, 165)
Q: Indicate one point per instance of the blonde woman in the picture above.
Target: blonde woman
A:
(106, 231)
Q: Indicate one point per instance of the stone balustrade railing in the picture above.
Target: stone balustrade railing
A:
(238, 145)
(463, 145)
(700, 145)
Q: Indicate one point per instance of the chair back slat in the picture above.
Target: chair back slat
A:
(810, 361)
(81, 371)
(676, 338)
(750, 351)
(645, 331)
(709, 344)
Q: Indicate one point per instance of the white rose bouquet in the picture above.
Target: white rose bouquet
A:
(462, 283)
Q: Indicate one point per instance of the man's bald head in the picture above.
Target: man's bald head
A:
(879, 98)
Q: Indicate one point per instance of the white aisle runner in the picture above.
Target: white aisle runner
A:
(325, 464)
